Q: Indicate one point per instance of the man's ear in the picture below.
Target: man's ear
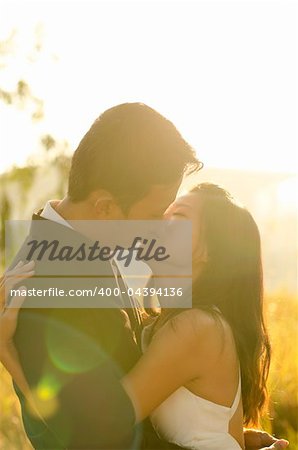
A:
(104, 205)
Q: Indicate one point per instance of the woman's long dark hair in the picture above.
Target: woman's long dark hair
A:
(232, 280)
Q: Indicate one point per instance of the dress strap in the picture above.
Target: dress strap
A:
(237, 396)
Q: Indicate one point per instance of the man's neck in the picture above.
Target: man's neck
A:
(69, 210)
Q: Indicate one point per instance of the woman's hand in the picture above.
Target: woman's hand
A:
(12, 277)
(260, 440)
(9, 319)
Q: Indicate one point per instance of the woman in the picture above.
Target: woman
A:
(201, 352)
(203, 372)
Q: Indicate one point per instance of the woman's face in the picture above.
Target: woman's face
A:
(189, 207)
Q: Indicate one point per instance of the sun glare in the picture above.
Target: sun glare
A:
(223, 105)
(287, 193)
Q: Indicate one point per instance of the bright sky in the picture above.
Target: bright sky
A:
(223, 72)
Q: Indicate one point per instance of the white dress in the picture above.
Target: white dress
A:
(195, 423)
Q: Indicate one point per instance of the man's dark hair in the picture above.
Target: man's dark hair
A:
(129, 148)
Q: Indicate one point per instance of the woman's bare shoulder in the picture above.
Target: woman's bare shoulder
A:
(196, 334)
(191, 328)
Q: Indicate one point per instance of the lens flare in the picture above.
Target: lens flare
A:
(70, 350)
(44, 400)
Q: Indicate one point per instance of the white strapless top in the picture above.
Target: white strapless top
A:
(195, 423)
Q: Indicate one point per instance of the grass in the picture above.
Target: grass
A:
(282, 419)
(282, 416)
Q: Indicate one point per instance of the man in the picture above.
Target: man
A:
(128, 166)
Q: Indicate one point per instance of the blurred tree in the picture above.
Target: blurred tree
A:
(48, 141)
(4, 214)
(18, 181)
(21, 95)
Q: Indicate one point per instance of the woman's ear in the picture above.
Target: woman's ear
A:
(204, 254)
(200, 255)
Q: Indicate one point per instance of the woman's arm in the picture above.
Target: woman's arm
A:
(172, 359)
